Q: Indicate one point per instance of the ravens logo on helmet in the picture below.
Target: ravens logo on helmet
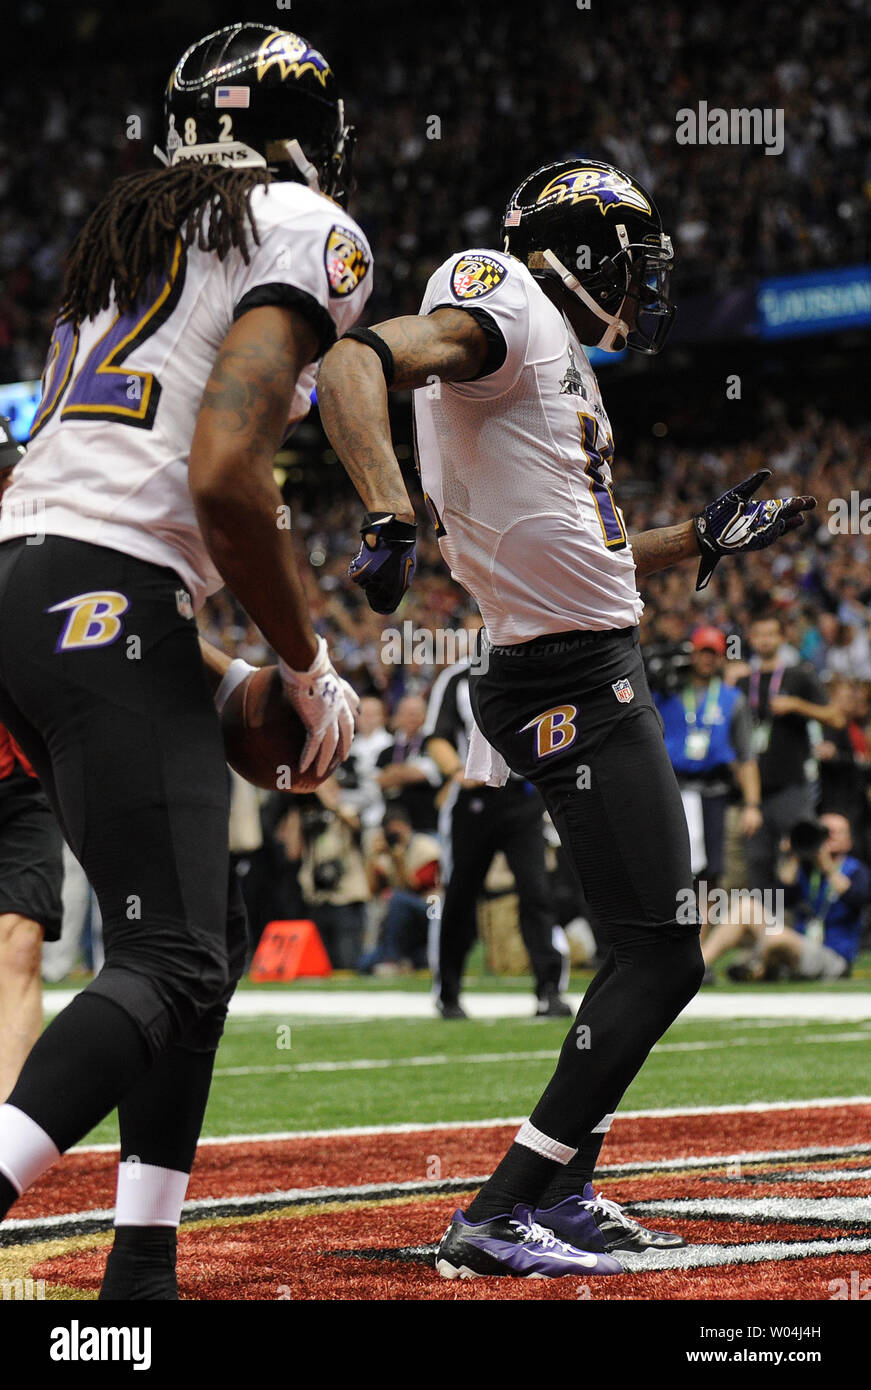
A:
(252, 95)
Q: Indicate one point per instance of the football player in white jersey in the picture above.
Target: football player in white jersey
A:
(198, 299)
(514, 450)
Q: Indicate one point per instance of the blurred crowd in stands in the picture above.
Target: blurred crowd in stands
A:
(451, 117)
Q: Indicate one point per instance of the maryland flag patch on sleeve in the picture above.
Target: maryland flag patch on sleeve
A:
(474, 276)
(347, 259)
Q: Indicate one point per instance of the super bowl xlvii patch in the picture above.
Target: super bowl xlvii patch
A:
(623, 690)
(475, 276)
(347, 260)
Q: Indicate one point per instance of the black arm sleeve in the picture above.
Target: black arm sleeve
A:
(289, 297)
(497, 348)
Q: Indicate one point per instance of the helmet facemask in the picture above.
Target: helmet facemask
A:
(639, 273)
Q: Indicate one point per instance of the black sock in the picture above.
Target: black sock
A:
(80, 1067)
(141, 1265)
(571, 1178)
(521, 1177)
(8, 1195)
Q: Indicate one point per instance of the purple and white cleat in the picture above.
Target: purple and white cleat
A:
(597, 1223)
(516, 1245)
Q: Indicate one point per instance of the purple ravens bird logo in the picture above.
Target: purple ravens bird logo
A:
(606, 187)
(292, 56)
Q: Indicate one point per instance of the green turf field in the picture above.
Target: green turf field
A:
(344, 1073)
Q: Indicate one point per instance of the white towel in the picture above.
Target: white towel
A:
(692, 806)
(483, 763)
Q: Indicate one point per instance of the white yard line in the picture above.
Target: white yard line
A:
(708, 1256)
(302, 1003)
(438, 1059)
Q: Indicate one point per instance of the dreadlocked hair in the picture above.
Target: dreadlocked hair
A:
(130, 237)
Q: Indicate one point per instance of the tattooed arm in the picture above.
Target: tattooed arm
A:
(352, 395)
(241, 422)
(664, 546)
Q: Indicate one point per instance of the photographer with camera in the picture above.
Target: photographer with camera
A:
(332, 875)
(827, 887)
(406, 863)
(784, 699)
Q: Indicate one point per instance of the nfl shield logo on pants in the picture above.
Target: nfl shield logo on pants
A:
(623, 690)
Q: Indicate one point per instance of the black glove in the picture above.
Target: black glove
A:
(733, 522)
(385, 563)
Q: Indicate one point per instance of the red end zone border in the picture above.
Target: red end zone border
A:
(774, 1202)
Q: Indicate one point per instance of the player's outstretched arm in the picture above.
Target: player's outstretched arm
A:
(726, 526)
(354, 379)
(664, 546)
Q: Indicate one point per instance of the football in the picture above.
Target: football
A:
(264, 736)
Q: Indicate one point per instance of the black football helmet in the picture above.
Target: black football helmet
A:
(250, 96)
(599, 231)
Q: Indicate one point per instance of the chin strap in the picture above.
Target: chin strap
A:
(306, 168)
(616, 327)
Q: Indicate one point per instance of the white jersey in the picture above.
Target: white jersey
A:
(108, 457)
(516, 465)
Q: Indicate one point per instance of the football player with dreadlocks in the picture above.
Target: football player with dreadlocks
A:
(198, 300)
(514, 450)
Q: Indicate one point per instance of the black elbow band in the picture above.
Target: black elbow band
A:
(378, 345)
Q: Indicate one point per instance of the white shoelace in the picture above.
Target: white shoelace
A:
(612, 1209)
(542, 1235)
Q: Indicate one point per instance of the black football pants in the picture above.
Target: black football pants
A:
(112, 706)
(553, 708)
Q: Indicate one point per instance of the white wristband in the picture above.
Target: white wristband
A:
(293, 678)
(235, 674)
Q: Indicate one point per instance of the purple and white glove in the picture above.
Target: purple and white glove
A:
(327, 706)
(384, 565)
(733, 523)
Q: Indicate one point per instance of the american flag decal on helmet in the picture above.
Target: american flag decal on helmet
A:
(232, 96)
(623, 690)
